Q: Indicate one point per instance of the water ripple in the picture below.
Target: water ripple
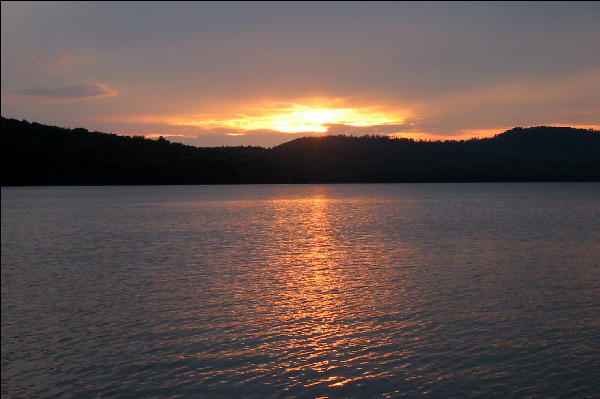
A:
(447, 291)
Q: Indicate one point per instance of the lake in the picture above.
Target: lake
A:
(362, 290)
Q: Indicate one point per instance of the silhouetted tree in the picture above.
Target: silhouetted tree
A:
(35, 154)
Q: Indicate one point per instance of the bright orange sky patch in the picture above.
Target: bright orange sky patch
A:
(295, 118)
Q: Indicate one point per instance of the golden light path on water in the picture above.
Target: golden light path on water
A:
(319, 299)
(317, 288)
(302, 318)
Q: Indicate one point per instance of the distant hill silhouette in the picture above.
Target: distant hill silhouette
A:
(35, 154)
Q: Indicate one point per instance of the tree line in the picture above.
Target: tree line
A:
(36, 154)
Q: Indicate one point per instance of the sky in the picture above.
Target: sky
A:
(263, 73)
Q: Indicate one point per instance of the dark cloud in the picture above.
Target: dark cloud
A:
(67, 92)
(372, 129)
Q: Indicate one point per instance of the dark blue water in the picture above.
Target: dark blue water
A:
(417, 290)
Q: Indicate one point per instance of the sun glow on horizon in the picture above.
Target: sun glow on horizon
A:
(296, 118)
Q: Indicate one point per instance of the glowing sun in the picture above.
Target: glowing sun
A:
(295, 118)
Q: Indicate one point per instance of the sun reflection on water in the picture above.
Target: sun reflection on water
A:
(316, 312)
(318, 300)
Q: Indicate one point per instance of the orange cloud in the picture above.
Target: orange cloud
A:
(310, 116)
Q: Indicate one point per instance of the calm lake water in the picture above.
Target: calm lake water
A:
(392, 290)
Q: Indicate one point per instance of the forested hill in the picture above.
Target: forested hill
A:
(35, 154)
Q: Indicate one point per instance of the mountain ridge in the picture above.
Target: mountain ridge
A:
(36, 154)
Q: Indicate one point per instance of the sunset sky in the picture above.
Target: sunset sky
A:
(264, 73)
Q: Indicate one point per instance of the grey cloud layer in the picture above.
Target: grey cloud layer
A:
(372, 129)
(459, 66)
(74, 91)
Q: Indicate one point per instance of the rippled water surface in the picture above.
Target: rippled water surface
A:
(418, 290)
